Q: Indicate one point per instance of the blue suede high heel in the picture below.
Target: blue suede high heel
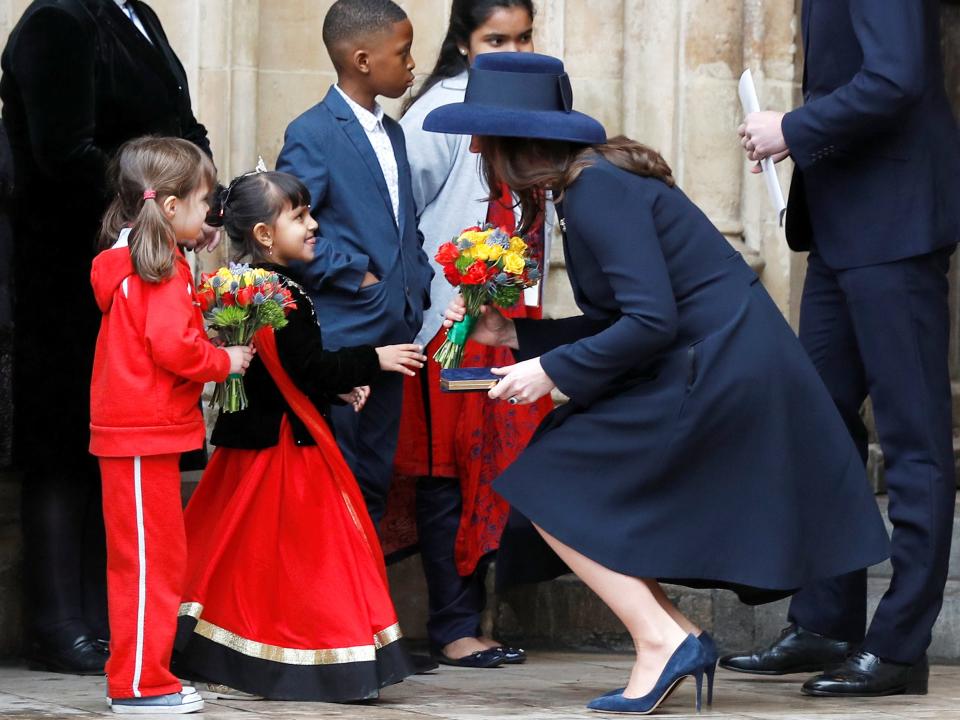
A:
(710, 669)
(688, 660)
(710, 649)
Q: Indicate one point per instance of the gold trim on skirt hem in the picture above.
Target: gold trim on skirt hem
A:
(289, 656)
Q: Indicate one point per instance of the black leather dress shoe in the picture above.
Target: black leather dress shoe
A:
(83, 656)
(795, 651)
(480, 659)
(866, 675)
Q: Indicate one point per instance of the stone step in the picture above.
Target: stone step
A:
(564, 613)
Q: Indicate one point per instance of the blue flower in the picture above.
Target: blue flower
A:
(216, 281)
(259, 298)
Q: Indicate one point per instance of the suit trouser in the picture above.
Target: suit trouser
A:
(146, 564)
(368, 439)
(883, 331)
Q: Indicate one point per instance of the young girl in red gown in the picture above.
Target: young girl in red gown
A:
(286, 590)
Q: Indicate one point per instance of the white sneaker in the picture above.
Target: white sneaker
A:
(225, 692)
(188, 700)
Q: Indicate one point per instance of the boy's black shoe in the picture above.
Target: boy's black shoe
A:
(866, 675)
(795, 651)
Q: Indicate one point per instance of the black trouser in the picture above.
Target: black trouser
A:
(455, 602)
(64, 571)
(883, 331)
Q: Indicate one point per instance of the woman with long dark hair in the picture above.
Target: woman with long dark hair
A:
(455, 445)
(699, 446)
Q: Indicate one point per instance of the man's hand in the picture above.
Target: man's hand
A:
(761, 135)
(209, 238)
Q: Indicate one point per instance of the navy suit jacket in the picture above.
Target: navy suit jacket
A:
(876, 146)
(327, 148)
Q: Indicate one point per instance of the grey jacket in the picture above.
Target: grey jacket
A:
(449, 192)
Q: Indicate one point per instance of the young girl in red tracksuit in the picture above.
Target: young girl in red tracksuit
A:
(152, 358)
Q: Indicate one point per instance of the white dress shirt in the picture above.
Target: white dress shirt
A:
(134, 18)
(372, 124)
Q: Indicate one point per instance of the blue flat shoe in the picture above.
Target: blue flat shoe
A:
(688, 660)
(512, 655)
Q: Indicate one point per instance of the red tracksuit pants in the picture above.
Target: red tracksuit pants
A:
(146, 564)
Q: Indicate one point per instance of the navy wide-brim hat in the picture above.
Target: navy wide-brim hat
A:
(517, 94)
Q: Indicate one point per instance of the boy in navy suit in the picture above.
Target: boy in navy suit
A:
(369, 279)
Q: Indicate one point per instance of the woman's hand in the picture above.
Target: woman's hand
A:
(240, 357)
(521, 384)
(356, 397)
(492, 327)
(404, 359)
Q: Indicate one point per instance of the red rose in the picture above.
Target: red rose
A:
(289, 307)
(447, 254)
(245, 296)
(227, 299)
(452, 274)
(207, 298)
(476, 274)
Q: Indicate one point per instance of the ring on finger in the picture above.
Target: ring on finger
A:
(514, 400)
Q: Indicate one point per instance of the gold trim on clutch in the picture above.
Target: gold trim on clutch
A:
(289, 656)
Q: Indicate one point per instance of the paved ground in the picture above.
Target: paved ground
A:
(552, 686)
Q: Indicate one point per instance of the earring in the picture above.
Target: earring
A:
(463, 52)
(269, 249)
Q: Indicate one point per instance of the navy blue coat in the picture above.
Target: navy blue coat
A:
(699, 445)
(876, 147)
(327, 148)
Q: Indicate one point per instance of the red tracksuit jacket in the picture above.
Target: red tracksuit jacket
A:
(151, 360)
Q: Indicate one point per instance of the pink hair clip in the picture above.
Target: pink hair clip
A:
(149, 194)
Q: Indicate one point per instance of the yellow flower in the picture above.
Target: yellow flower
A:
(517, 245)
(474, 236)
(513, 263)
(495, 252)
(481, 252)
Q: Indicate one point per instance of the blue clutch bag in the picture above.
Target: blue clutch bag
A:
(467, 379)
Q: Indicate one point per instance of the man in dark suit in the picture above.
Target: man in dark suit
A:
(874, 199)
(370, 279)
(80, 77)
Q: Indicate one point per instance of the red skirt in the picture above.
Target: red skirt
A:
(469, 437)
(285, 598)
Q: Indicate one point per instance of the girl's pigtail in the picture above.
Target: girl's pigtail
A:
(152, 242)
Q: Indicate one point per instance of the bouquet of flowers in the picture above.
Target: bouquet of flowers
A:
(236, 302)
(489, 266)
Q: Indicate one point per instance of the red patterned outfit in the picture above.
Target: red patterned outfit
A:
(453, 445)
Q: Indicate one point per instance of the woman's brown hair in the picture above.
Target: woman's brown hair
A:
(169, 167)
(529, 166)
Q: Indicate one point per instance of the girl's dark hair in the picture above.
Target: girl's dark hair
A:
(528, 166)
(258, 197)
(465, 17)
(169, 167)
